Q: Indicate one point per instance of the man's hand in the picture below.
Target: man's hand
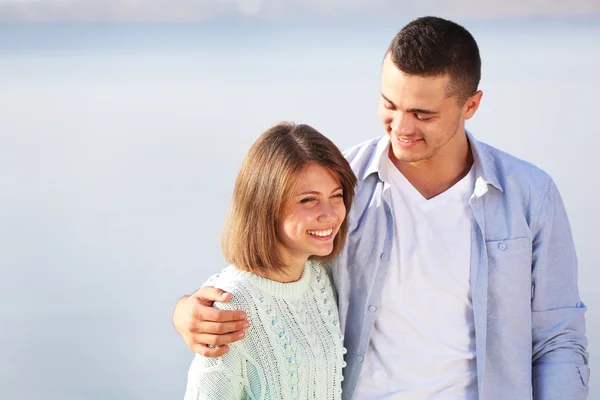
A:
(200, 325)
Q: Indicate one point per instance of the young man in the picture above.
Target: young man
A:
(459, 276)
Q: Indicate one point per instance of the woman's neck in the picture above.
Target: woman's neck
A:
(292, 270)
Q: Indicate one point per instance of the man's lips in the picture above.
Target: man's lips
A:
(408, 142)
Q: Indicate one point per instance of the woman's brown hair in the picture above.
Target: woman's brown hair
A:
(263, 186)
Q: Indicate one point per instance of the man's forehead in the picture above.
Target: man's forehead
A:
(398, 85)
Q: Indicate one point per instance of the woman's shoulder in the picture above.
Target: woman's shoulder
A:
(244, 295)
(231, 280)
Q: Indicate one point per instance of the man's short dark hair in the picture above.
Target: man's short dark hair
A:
(432, 46)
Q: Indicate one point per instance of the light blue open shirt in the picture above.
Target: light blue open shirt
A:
(529, 319)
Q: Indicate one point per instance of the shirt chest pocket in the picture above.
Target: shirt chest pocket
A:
(509, 272)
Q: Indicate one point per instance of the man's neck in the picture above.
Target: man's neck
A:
(436, 175)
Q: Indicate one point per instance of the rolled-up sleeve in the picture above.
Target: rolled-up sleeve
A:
(560, 359)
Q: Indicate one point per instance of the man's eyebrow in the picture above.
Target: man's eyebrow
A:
(411, 110)
(421, 111)
(388, 100)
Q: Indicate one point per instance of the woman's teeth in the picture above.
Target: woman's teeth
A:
(322, 233)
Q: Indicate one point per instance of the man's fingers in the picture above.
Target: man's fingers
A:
(210, 294)
(219, 328)
(215, 315)
(206, 351)
(218, 340)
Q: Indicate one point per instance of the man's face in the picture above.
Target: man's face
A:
(421, 121)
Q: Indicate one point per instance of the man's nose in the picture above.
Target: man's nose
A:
(402, 124)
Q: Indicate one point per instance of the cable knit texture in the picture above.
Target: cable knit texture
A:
(292, 350)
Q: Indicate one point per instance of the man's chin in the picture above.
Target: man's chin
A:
(406, 157)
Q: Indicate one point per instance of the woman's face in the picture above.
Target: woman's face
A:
(312, 217)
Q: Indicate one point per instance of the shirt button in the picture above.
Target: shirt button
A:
(360, 358)
(502, 246)
(372, 308)
(384, 257)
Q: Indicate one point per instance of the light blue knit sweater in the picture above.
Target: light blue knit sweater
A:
(293, 348)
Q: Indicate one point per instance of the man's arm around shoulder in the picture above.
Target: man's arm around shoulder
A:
(207, 330)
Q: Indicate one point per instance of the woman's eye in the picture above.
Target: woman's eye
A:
(307, 200)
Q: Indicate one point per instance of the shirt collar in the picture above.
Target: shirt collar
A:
(485, 169)
(379, 159)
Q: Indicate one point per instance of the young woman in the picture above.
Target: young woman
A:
(287, 218)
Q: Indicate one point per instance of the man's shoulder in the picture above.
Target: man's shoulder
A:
(510, 169)
(363, 155)
(366, 146)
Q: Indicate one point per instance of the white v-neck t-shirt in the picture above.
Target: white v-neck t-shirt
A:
(423, 342)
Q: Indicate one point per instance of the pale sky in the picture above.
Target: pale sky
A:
(168, 10)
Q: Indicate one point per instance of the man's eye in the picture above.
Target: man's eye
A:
(388, 106)
(422, 118)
